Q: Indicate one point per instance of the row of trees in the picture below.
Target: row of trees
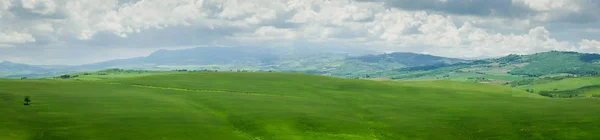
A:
(530, 81)
(67, 76)
(207, 70)
(580, 71)
(555, 93)
(558, 95)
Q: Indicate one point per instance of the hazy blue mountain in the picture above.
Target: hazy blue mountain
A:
(343, 62)
(407, 59)
(133, 63)
(362, 66)
(225, 58)
(9, 68)
(212, 55)
(16, 70)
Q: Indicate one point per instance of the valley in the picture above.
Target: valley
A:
(264, 105)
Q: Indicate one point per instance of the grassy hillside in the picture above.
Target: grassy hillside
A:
(343, 63)
(550, 84)
(398, 65)
(561, 86)
(109, 74)
(558, 62)
(337, 64)
(371, 64)
(587, 91)
(504, 69)
(407, 59)
(285, 106)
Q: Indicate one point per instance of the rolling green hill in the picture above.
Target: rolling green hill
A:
(339, 63)
(362, 66)
(241, 58)
(561, 86)
(559, 83)
(557, 63)
(587, 91)
(397, 65)
(407, 59)
(226, 105)
(504, 69)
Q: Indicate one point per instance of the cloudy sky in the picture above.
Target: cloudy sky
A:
(87, 31)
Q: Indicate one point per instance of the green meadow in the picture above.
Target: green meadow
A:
(252, 106)
(563, 84)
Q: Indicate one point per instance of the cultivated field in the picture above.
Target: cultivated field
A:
(230, 105)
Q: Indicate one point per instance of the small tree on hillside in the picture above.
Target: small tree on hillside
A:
(529, 90)
(66, 76)
(27, 100)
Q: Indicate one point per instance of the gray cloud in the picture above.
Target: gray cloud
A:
(156, 38)
(39, 10)
(587, 14)
(56, 31)
(519, 9)
(503, 8)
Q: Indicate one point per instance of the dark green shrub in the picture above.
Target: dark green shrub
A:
(66, 76)
(27, 100)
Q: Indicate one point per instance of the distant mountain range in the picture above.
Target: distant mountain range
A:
(244, 58)
(398, 65)
(16, 70)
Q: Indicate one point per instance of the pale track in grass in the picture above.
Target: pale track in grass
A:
(204, 90)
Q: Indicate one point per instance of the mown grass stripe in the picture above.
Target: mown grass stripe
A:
(204, 90)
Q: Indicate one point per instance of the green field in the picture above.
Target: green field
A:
(564, 84)
(561, 86)
(230, 105)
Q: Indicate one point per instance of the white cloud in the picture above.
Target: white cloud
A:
(260, 22)
(536, 40)
(44, 7)
(439, 35)
(44, 28)
(332, 12)
(5, 45)
(589, 46)
(5, 4)
(550, 5)
(267, 33)
(91, 17)
(562, 10)
(11, 37)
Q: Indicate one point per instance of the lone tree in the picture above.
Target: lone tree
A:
(66, 76)
(27, 100)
